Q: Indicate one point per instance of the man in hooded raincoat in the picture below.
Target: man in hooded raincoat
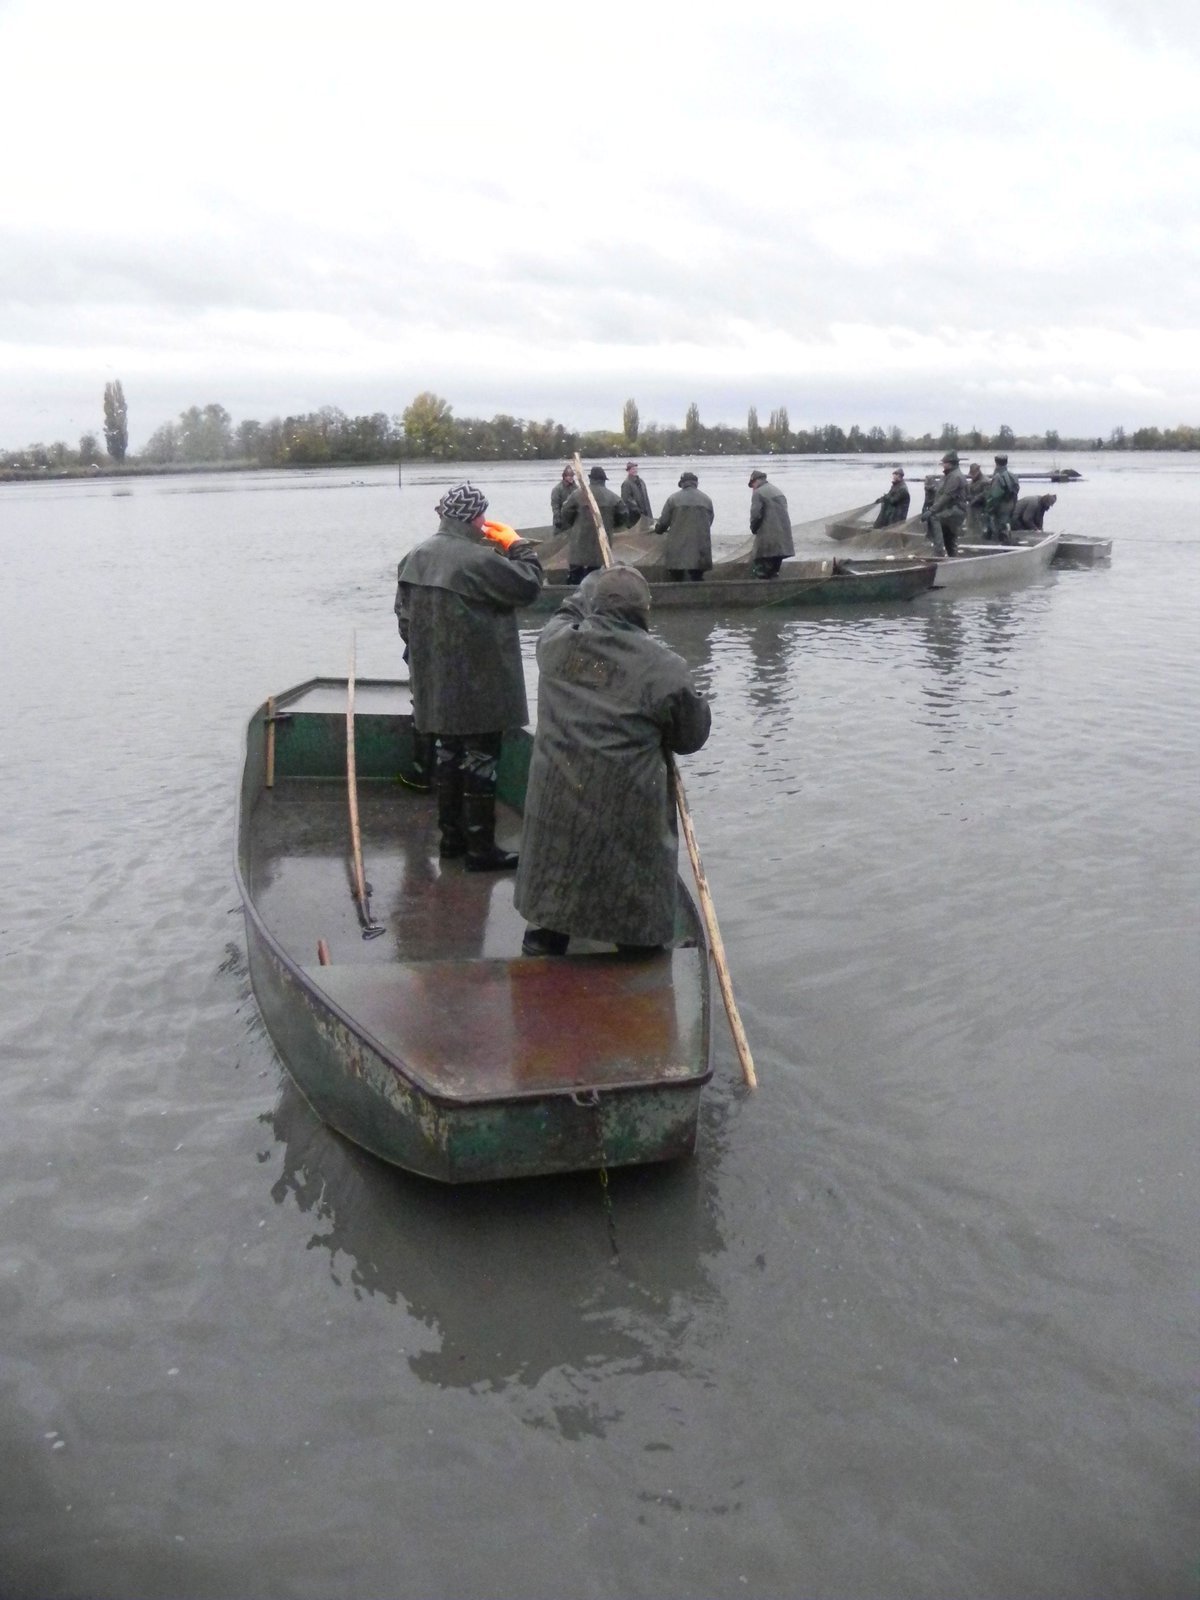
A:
(687, 519)
(599, 850)
(457, 596)
(771, 526)
(583, 542)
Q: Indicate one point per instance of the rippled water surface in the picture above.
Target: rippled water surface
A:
(916, 1321)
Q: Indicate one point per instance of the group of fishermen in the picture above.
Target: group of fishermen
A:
(988, 509)
(685, 522)
(599, 847)
(599, 843)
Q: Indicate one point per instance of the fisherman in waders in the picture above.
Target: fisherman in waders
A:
(945, 516)
(636, 496)
(893, 506)
(686, 520)
(771, 526)
(457, 598)
(583, 541)
(1001, 502)
(599, 849)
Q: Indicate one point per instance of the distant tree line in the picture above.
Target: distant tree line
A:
(428, 430)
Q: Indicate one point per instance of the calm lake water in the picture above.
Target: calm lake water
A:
(917, 1320)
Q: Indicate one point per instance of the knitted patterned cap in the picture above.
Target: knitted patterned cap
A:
(464, 503)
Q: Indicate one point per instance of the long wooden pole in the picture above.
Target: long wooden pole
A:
(370, 927)
(715, 943)
(707, 909)
(601, 534)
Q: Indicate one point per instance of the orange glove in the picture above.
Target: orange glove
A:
(500, 533)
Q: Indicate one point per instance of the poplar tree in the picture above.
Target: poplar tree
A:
(116, 423)
(630, 420)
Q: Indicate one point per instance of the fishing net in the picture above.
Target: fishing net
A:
(632, 547)
(640, 547)
(803, 534)
(908, 535)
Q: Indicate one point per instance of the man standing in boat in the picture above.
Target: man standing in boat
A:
(945, 516)
(457, 597)
(636, 496)
(1001, 502)
(977, 488)
(893, 506)
(687, 519)
(583, 542)
(599, 850)
(560, 494)
(770, 524)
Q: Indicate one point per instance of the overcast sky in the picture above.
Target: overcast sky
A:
(891, 215)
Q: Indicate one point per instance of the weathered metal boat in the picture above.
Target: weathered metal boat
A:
(1080, 550)
(1073, 549)
(436, 1045)
(800, 583)
(980, 565)
(731, 585)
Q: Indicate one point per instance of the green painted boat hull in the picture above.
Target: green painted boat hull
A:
(437, 1046)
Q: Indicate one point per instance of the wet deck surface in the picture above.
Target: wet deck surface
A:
(499, 1028)
(301, 877)
(445, 988)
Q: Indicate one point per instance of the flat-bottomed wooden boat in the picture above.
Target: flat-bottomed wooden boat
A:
(437, 1045)
(799, 583)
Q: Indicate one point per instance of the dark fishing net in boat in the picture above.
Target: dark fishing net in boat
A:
(635, 547)
(908, 535)
(804, 534)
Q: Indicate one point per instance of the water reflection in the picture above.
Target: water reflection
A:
(517, 1281)
(978, 651)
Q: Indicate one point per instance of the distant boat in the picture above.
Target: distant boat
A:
(730, 584)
